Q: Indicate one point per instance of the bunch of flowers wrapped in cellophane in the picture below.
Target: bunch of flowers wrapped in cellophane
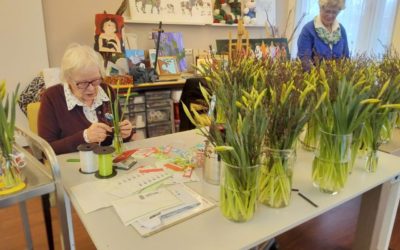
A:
(291, 98)
(237, 88)
(343, 109)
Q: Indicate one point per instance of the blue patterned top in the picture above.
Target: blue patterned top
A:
(311, 45)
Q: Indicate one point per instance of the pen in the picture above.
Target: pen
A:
(308, 200)
(179, 210)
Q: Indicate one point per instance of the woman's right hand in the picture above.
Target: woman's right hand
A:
(97, 132)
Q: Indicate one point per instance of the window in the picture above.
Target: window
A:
(368, 23)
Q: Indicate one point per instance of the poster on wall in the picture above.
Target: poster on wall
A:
(171, 11)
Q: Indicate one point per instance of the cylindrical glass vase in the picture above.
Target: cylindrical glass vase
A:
(371, 161)
(358, 145)
(11, 178)
(331, 162)
(276, 177)
(387, 127)
(238, 191)
(309, 138)
(118, 144)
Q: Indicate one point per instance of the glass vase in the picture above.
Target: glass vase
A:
(309, 139)
(331, 162)
(11, 178)
(371, 161)
(238, 191)
(389, 122)
(276, 177)
(118, 144)
(358, 145)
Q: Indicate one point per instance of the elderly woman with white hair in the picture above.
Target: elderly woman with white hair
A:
(74, 112)
(324, 37)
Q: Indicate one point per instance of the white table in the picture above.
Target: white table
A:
(211, 230)
(41, 180)
(393, 146)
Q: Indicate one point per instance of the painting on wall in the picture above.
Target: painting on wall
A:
(108, 36)
(167, 65)
(171, 44)
(275, 48)
(135, 56)
(152, 57)
(171, 11)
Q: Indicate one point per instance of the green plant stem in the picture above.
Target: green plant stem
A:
(330, 165)
(239, 192)
(276, 182)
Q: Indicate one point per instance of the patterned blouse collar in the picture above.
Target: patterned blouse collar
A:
(327, 36)
(73, 101)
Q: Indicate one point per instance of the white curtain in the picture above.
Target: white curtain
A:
(368, 23)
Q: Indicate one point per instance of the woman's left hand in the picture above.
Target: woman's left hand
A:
(125, 128)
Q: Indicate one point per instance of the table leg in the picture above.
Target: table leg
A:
(25, 221)
(377, 215)
(47, 220)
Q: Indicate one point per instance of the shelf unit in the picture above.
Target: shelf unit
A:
(151, 112)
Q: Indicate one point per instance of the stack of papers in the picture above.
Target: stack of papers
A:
(132, 207)
(191, 204)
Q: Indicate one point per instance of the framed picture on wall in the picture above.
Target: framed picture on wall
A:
(167, 66)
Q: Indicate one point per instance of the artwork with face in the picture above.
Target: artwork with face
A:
(108, 36)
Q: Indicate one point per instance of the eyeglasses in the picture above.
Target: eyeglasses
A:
(329, 11)
(85, 84)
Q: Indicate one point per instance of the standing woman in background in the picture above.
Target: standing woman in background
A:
(324, 37)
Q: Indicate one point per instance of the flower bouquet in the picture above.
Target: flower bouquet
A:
(289, 104)
(237, 90)
(116, 117)
(345, 107)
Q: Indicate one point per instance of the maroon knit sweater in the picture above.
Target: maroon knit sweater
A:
(63, 129)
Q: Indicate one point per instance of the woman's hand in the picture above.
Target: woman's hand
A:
(97, 132)
(125, 128)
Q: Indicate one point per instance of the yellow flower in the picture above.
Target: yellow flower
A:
(370, 101)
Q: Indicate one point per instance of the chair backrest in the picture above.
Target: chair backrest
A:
(32, 111)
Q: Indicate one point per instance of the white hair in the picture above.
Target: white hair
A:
(78, 57)
(341, 4)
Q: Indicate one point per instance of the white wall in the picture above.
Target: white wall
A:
(23, 49)
(69, 21)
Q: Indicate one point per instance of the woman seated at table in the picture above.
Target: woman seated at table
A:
(324, 37)
(74, 112)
